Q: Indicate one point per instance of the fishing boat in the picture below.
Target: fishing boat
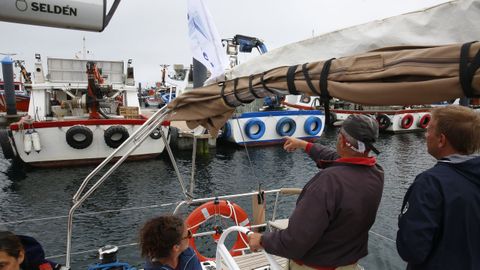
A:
(21, 89)
(271, 126)
(167, 89)
(391, 119)
(269, 123)
(79, 113)
(22, 97)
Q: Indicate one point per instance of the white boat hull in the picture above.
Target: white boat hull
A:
(236, 128)
(56, 152)
(418, 121)
(397, 119)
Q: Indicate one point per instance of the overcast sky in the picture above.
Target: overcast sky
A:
(154, 32)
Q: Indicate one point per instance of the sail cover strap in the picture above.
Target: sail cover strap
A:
(222, 93)
(250, 86)
(265, 85)
(309, 80)
(291, 80)
(468, 69)
(324, 94)
(235, 92)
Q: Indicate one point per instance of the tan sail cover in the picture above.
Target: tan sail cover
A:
(448, 23)
(388, 76)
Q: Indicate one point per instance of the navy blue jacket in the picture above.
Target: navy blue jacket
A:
(439, 227)
(187, 261)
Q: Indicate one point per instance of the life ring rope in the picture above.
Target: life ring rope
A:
(232, 211)
(202, 214)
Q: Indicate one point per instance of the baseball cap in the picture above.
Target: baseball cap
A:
(363, 128)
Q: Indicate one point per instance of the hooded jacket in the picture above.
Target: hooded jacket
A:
(439, 224)
(35, 255)
(186, 261)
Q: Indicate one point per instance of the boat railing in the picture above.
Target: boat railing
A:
(125, 149)
(276, 192)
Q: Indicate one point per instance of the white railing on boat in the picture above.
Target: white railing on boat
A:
(276, 192)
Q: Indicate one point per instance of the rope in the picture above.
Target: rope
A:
(232, 210)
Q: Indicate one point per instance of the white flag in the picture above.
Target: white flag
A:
(205, 41)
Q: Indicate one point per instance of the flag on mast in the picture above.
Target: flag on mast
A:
(205, 41)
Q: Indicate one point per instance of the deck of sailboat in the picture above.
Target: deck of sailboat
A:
(257, 260)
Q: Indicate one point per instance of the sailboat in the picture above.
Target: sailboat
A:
(385, 76)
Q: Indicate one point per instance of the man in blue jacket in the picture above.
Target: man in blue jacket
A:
(439, 224)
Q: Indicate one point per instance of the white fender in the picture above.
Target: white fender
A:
(36, 141)
(27, 142)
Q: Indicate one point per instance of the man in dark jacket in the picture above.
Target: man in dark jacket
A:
(329, 226)
(439, 224)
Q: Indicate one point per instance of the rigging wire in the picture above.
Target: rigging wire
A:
(246, 150)
(87, 214)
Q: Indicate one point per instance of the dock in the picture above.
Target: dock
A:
(183, 138)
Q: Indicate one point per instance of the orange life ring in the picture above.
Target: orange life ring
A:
(424, 121)
(407, 121)
(224, 209)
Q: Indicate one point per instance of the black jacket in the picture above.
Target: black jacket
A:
(330, 223)
(439, 225)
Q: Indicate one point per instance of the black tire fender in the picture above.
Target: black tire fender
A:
(383, 121)
(115, 135)
(79, 137)
(156, 134)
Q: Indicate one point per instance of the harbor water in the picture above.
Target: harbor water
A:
(36, 201)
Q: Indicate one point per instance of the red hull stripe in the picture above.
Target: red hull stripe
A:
(85, 122)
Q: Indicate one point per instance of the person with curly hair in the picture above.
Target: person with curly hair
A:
(164, 245)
